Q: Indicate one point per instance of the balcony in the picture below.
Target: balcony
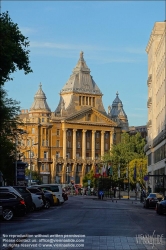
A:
(149, 124)
(45, 160)
(149, 81)
(149, 102)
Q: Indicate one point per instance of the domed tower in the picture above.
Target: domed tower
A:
(79, 92)
(117, 113)
(40, 106)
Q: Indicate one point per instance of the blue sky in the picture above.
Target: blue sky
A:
(113, 36)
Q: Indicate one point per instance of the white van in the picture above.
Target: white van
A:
(55, 188)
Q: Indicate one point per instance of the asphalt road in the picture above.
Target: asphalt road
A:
(88, 216)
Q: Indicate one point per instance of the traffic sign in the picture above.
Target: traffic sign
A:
(146, 178)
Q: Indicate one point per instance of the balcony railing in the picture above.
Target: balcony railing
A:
(149, 124)
(45, 160)
(149, 81)
(149, 102)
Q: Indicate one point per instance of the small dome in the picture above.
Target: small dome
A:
(40, 102)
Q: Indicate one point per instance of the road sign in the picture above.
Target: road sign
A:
(146, 178)
(101, 193)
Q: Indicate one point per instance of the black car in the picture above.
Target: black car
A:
(161, 206)
(38, 191)
(26, 195)
(12, 205)
(152, 199)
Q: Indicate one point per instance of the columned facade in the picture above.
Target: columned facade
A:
(73, 138)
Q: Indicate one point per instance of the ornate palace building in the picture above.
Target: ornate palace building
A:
(66, 144)
(156, 140)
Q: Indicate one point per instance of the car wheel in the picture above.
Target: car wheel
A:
(47, 205)
(7, 214)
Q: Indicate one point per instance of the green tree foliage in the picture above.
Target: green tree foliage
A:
(14, 51)
(14, 54)
(9, 110)
(141, 170)
(128, 151)
(89, 176)
(35, 175)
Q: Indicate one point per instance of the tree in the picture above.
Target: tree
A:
(14, 55)
(9, 110)
(89, 176)
(14, 51)
(35, 175)
(130, 149)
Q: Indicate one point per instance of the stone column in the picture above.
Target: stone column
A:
(83, 144)
(93, 144)
(74, 143)
(102, 143)
(64, 143)
(111, 139)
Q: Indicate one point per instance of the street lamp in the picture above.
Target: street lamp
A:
(30, 179)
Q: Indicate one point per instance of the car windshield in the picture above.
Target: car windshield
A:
(152, 195)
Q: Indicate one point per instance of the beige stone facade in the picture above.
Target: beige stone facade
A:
(156, 103)
(71, 140)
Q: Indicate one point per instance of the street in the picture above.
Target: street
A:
(98, 224)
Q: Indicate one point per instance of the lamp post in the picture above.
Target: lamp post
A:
(30, 179)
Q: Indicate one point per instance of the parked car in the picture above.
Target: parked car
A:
(12, 205)
(152, 199)
(37, 201)
(49, 195)
(21, 191)
(161, 206)
(38, 191)
(56, 189)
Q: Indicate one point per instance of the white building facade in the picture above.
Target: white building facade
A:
(156, 139)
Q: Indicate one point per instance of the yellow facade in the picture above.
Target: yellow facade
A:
(66, 144)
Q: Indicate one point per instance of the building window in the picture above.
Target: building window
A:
(77, 155)
(86, 100)
(57, 154)
(83, 100)
(58, 132)
(97, 135)
(106, 135)
(69, 133)
(68, 156)
(33, 130)
(42, 119)
(79, 168)
(69, 144)
(78, 144)
(90, 101)
(42, 142)
(93, 101)
(88, 134)
(106, 146)
(45, 154)
(80, 100)
(47, 167)
(42, 166)
(97, 145)
(88, 145)
(58, 143)
(47, 143)
(28, 142)
(78, 134)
